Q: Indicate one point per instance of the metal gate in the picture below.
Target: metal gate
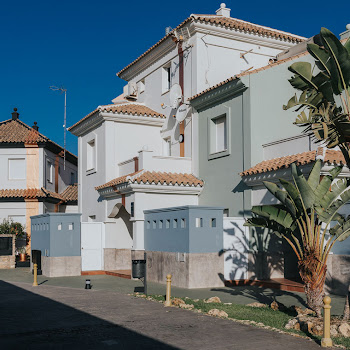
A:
(91, 246)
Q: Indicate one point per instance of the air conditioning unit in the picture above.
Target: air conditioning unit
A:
(130, 90)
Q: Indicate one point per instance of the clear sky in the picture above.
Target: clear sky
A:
(81, 45)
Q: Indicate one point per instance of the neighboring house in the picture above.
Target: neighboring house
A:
(241, 123)
(134, 155)
(33, 179)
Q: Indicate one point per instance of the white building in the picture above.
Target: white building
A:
(33, 179)
(134, 154)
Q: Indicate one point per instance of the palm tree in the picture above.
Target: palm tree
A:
(324, 103)
(303, 216)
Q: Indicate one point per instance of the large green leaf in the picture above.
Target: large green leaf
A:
(274, 213)
(293, 194)
(306, 193)
(320, 55)
(323, 187)
(314, 177)
(304, 72)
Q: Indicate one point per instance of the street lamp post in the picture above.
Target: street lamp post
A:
(63, 90)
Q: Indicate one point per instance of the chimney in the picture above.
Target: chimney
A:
(35, 126)
(15, 114)
(346, 34)
(223, 11)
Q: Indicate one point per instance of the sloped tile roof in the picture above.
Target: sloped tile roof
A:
(154, 177)
(127, 108)
(15, 131)
(237, 76)
(232, 23)
(70, 194)
(29, 193)
(330, 157)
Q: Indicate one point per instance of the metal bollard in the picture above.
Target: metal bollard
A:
(326, 340)
(168, 291)
(35, 283)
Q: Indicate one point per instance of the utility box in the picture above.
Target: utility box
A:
(57, 237)
(186, 242)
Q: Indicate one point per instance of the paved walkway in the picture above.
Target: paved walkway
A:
(51, 317)
(237, 295)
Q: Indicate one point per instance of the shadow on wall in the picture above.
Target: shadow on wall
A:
(35, 322)
(125, 216)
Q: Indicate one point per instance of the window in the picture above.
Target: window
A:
(17, 169)
(141, 86)
(160, 224)
(166, 78)
(183, 223)
(59, 227)
(226, 213)
(70, 227)
(175, 223)
(199, 222)
(72, 178)
(132, 209)
(213, 222)
(154, 224)
(50, 171)
(18, 218)
(148, 224)
(91, 155)
(218, 132)
(167, 223)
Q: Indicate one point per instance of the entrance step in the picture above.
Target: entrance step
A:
(276, 283)
(117, 273)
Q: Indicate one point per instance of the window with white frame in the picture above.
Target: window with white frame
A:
(166, 77)
(91, 155)
(218, 133)
(167, 147)
(50, 171)
(17, 169)
(72, 178)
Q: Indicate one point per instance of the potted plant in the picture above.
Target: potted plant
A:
(22, 254)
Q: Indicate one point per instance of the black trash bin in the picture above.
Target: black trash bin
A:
(36, 259)
(138, 268)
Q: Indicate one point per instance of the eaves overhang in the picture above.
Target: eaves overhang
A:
(213, 96)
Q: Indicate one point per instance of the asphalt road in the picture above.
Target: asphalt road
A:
(48, 317)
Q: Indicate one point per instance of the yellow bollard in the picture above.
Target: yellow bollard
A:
(35, 283)
(168, 291)
(326, 340)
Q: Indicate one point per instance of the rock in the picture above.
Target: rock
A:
(256, 304)
(291, 323)
(260, 324)
(317, 329)
(333, 330)
(274, 305)
(297, 326)
(218, 313)
(186, 306)
(308, 312)
(344, 330)
(298, 310)
(213, 300)
(177, 302)
(196, 300)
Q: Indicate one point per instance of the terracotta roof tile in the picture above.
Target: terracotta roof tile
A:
(330, 157)
(248, 73)
(70, 194)
(232, 23)
(15, 131)
(154, 177)
(29, 193)
(127, 108)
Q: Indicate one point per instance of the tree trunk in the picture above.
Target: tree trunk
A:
(313, 282)
(346, 314)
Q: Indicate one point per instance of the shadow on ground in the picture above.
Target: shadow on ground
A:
(37, 322)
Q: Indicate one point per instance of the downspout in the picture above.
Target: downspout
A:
(181, 83)
(57, 159)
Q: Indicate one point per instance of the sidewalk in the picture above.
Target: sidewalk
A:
(51, 317)
(237, 295)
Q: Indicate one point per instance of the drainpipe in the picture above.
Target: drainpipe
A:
(181, 83)
(57, 159)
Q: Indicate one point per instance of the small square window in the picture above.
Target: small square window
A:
(226, 213)
(213, 222)
(175, 223)
(154, 224)
(183, 223)
(132, 209)
(70, 227)
(59, 227)
(167, 223)
(199, 222)
(166, 77)
(160, 224)
(148, 224)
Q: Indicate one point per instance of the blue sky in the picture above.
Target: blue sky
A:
(82, 45)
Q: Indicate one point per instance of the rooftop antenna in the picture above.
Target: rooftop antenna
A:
(63, 90)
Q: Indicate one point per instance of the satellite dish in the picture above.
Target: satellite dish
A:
(181, 113)
(175, 96)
